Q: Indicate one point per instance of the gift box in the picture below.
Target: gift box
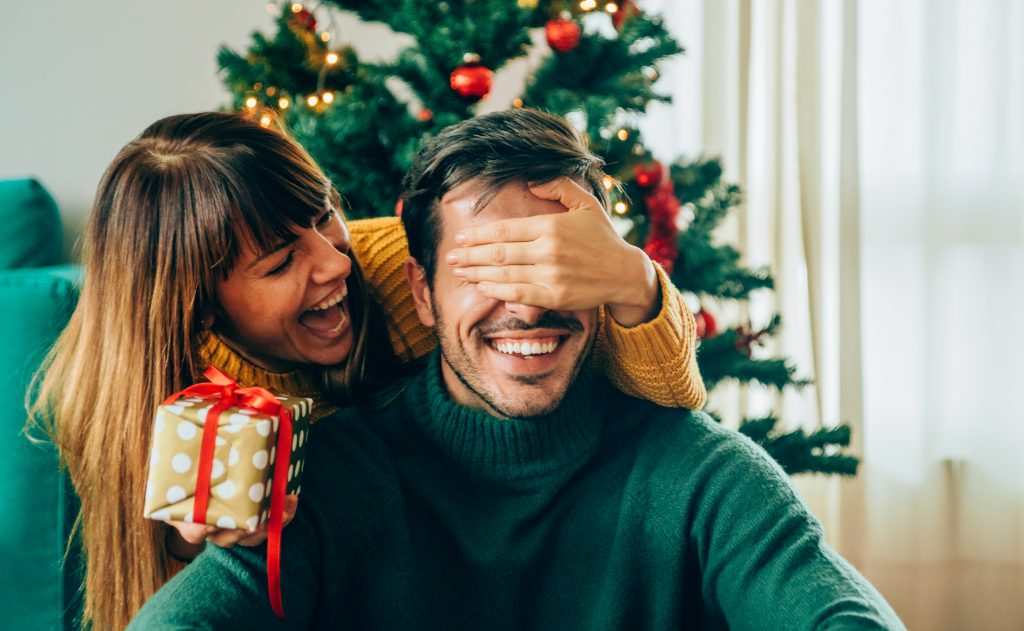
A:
(239, 476)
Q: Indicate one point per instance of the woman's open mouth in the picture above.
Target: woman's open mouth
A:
(328, 318)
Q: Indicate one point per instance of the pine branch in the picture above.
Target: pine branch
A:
(723, 357)
(799, 452)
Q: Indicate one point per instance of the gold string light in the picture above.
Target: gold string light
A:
(621, 208)
(622, 135)
(328, 97)
(312, 100)
(611, 7)
(265, 120)
(325, 36)
(588, 5)
(250, 102)
(283, 103)
(332, 58)
(296, 7)
(607, 182)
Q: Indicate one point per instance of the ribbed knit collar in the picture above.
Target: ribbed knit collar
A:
(507, 449)
(213, 351)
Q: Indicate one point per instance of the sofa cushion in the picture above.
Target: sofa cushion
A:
(39, 589)
(30, 228)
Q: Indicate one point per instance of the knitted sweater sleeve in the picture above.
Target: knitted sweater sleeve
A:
(655, 360)
(763, 558)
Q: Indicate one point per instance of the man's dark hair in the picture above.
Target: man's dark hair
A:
(523, 145)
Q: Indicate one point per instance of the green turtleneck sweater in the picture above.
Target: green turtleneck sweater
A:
(611, 513)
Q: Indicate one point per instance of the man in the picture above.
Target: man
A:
(508, 487)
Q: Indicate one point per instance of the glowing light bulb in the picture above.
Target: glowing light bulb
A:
(265, 120)
(250, 102)
(607, 182)
(283, 103)
(312, 100)
(517, 102)
(325, 36)
(296, 7)
(620, 208)
(611, 7)
(271, 91)
(328, 97)
(332, 58)
(588, 5)
(622, 134)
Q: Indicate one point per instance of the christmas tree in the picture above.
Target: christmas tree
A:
(364, 122)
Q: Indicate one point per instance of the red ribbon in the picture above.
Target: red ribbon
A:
(257, 399)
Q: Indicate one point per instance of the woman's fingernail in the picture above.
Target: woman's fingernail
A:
(459, 271)
(460, 237)
(453, 259)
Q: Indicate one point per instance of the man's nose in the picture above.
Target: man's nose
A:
(330, 264)
(527, 313)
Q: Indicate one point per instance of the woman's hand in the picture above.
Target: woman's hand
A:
(560, 261)
(187, 539)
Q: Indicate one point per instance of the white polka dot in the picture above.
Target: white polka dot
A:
(302, 466)
(263, 516)
(188, 517)
(295, 442)
(252, 522)
(181, 463)
(232, 429)
(220, 442)
(160, 515)
(247, 412)
(225, 522)
(263, 428)
(175, 494)
(201, 414)
(194, 400)
(233, 457)
(186, 430)
(185, 403)
(282, 398)
(159, 425)
(302, 438)
(269, 484)
(256, 492)
(175, 409)
(218, 468)
(154, 457)
(149, 489)
(259, 459)
(273, 453)
(238, 419)
(291, 472)
(226, 490)
(298, 490)
(276, 422)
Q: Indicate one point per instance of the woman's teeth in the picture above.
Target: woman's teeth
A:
(333, 300)
(526, 348)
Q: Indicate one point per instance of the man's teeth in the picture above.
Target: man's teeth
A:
(330, 302)
(526, 348)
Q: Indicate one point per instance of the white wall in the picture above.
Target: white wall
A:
(80, 79)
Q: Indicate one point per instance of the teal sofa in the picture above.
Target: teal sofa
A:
(39, 587)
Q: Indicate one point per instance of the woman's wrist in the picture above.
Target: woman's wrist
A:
(641, 295)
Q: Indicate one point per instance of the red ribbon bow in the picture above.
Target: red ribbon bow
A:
(260, 400)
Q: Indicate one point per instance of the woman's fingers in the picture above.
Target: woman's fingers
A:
(535, 295)
(502, 231)
(568, 193)
(495, 254)
(192, 533)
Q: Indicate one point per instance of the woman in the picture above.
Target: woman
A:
(215, 240)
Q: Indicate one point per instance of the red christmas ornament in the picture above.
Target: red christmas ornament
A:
(648, 175)
(425, 115)
(563, 33)
(662, 250)
(305, 19)
(706, 325)
(472, 80)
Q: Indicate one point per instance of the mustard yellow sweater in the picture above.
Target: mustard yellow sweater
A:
(654, 361)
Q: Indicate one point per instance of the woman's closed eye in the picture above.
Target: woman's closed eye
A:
(326, 218)
(283, 265)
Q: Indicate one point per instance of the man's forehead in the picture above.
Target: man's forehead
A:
(461, 205)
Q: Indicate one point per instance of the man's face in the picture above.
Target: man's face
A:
(506, 358)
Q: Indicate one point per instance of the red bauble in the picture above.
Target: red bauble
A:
(563, 33)
(706, 325)
(305, 19)
(663, 206)
(648, 175)
(472, 80)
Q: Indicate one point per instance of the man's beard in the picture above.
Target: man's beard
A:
(468, 373)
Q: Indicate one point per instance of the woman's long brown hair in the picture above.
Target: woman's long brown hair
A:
(166, 221)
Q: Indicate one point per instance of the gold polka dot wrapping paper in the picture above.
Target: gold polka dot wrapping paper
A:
(243, 460)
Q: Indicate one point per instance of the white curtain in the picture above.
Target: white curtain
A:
(881, 148)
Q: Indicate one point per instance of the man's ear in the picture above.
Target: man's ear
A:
(417, 278)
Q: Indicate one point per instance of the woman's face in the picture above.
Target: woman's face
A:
(288, 307)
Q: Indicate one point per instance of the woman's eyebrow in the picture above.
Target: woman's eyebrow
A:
(277, 248)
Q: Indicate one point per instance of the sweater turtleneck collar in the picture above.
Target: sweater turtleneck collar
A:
(507, 449)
